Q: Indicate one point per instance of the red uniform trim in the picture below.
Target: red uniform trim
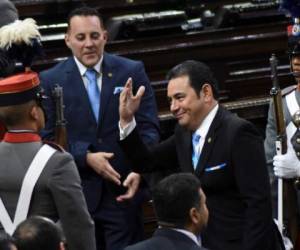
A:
(16, 137)
(19, 83)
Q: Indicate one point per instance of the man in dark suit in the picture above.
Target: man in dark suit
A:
(37, 178)
(180, 206)
(224, 151)
(91, 111)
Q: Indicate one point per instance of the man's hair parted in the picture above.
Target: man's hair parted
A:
(173, 198)
(198, 73)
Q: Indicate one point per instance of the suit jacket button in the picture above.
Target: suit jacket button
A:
(99, 140)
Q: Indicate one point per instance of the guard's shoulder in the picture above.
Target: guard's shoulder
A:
(54, 145)
(288, 90)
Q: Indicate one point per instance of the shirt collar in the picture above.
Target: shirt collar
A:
(188, 234)
(82, 68)
(204, 127)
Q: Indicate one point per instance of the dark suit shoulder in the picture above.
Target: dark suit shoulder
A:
(61, 66)
(235, 124)
(163, 243)
(157, 243)
(121, 60)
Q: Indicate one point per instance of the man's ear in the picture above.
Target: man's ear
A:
(195, 216)
(67, 40)
(34, 114)
(207, 91)
(105, 35)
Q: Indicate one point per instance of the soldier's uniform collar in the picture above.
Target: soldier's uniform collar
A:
(21, 137)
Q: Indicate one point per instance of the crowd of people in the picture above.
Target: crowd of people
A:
(90, 194)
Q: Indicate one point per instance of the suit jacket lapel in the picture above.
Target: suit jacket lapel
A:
(187, 143)
(184, 143)
(108, 78)
(210, 140)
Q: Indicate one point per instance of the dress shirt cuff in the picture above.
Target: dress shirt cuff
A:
(124, 132)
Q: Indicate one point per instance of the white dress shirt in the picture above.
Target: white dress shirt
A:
(204, 127)
(82, 69)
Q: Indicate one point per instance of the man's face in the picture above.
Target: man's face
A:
(296, 66)
(185, 104)
(86, 38)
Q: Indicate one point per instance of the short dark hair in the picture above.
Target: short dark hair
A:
(199, 74)
(174, 196)
(84, 11)
(38, 233)
(6, 241)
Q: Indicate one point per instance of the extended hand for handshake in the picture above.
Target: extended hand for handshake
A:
(287, 165)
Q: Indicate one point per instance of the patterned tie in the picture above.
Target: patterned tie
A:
(93, 91)
(196, 153)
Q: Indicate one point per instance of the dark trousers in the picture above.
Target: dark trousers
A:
(118, 224)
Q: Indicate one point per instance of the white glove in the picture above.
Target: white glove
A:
(287, 165)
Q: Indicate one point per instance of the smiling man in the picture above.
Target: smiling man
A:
(92, 81)
(224, 151)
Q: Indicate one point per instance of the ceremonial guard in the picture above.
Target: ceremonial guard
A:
(286, 164)
(37, 178)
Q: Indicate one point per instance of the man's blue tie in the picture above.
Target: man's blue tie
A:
(196, 153)
(93, 91)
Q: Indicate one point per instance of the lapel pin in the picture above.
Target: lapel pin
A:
(109, 74)
(209, 140)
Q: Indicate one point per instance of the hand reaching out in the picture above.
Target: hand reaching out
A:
(99, 162)
(132, 182)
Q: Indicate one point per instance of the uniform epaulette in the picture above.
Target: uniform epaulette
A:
(288, 90)
(54, 145)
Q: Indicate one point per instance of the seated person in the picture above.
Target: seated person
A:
(180, 207)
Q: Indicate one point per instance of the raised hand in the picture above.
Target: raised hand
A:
(129, 103)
